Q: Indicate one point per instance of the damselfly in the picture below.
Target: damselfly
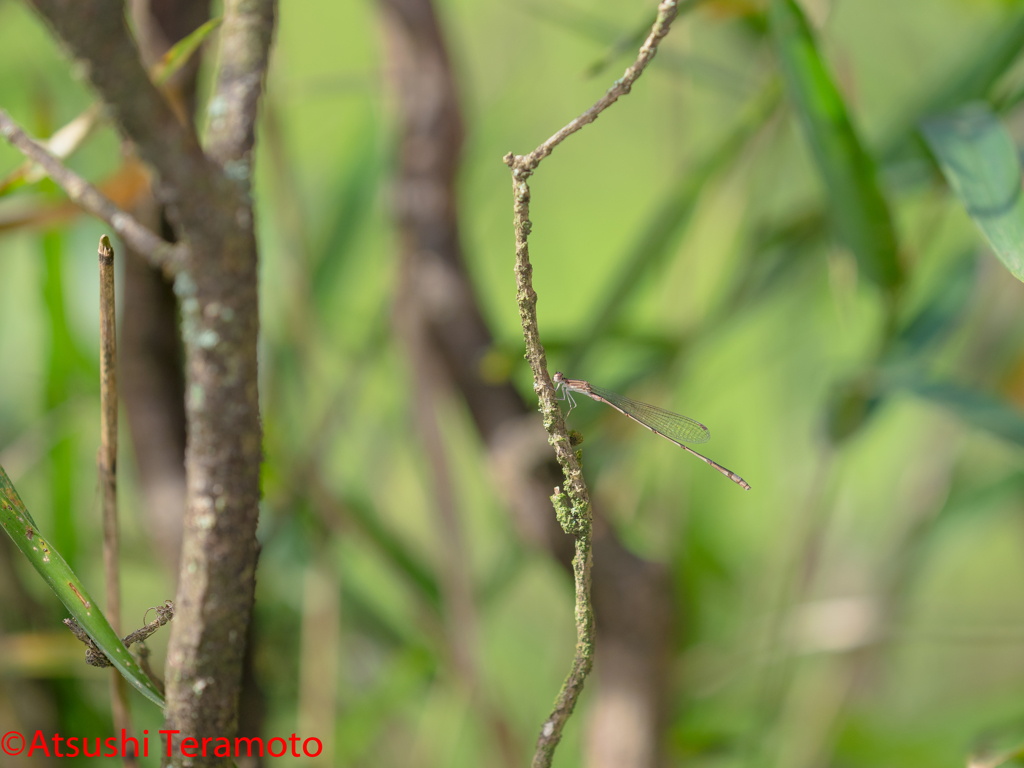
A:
(673, 427)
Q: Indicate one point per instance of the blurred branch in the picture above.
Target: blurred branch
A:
(96, 32)
(209, 207)
(431, 142)
(572, 507)
(152, 365)
(160, 253)
(244, 54)
(61, 144)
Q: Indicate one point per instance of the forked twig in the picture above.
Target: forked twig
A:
(572, 507)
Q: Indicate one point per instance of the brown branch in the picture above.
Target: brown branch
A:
(159, 252)
(190, 184)
(96, 32)
(106, 462)
(217, 284)
(245, 39)
(633, 605)
(430, 148)
(152, 365)
(572, 506)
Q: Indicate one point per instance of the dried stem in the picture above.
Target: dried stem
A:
(572, 507)
(83, 194)
(107, 459)
(106, 464)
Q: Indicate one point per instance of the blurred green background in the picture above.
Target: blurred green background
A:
(861, 606)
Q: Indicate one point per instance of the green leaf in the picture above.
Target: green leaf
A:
(351, 207)
(938, 315)
(22, 529)
(849, 407)
(394, 550)
(858, 211)
(980, 162)
(181, 52)
(979, 409)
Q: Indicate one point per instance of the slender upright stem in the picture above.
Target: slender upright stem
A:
(106, 463)
(572, 507)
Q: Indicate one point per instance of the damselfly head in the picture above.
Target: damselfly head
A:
(558, 378)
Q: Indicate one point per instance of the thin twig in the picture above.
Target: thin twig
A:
(97, 34)
(142, 656)
(572, 507)
(526, 164)
(106, 463)
(158, 251)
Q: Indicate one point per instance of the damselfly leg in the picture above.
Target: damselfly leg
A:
(565, 395)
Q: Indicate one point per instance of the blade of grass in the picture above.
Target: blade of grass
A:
(630, 41)
(980, 162)
(61, 369)
(663, 231)
(984, 760)
(354, 200)
(937, 317)
(19, 525)
(179, 54)
(979, 409)
(859, 212)
(363, 514)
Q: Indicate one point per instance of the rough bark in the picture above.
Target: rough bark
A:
(209, 205)
(633, 602)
